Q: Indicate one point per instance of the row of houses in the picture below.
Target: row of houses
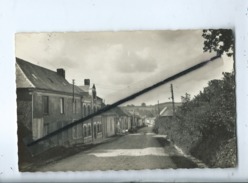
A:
(46, 102)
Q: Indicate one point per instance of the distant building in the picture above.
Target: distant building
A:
(166, 112)
(109, 120)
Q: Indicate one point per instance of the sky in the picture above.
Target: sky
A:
(122, 63)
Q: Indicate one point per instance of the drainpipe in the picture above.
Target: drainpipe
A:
(32, 112)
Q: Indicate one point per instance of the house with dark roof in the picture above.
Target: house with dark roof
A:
(167, 111)
(116, 121)
(129, 118)
(109, 121)
(122, 120)
(166, 114)
(46, 101)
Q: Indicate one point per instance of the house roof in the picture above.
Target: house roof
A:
(114, 111)
(110, 112)
(167, 111)
(85, 88)
(126, 112)
(43, 78)
(87, 96)
(119, 111)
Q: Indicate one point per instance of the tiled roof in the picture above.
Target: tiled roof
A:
(43, 78)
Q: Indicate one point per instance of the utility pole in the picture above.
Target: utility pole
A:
(172, 97)
(74, 129)
(158, 109)
(73, 84)
(93, 127)
(133, 118)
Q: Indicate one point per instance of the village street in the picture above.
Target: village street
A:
(142, 150)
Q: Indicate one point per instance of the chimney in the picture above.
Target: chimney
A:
(94, 91)
(61, 72)
(87, 82)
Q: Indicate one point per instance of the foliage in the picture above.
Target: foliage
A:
(206, 124)
(143, 104)
(130, 105)
(212, 112)
(219, 40)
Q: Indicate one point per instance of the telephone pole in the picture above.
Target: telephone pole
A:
(158, 109)
(73, 83)
(172, 97)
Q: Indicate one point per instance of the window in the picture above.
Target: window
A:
(100, 127)
(85, 131)
(85, 113)
(89, 130)
(62, 107)
(45, 103)
(79, 135)
(88, 110)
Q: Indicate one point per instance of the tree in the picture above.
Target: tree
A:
(186, 98)
(143, 104)
(219, 40)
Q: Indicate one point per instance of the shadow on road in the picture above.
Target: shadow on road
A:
(183, 162)
(180, 161)
(163, 142)
(57, 153)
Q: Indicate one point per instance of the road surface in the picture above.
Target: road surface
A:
(142, 150)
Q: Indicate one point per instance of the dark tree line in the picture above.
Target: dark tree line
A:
(205, 124)
(212, 112)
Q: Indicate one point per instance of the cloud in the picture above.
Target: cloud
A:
(130, 62)
(127, 60)
(121, 79)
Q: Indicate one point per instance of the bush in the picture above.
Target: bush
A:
(205, 122)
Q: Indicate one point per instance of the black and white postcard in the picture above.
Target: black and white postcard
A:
(126, 100)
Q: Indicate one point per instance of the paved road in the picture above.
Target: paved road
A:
(143, 150)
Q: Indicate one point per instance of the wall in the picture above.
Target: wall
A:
(55, 119)
(24, 122)
(45, 123)
(109, 125)
(24, 107)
